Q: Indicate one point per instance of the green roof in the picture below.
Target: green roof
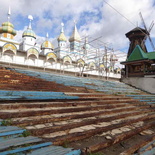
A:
(138, 54)
(151, 55)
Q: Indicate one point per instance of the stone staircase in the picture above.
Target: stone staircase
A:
(91, 123)
(89, 115)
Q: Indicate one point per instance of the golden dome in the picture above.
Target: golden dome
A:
(47, 45)
(62, 37)
(7, 27)
(29, 32)
(8, 24)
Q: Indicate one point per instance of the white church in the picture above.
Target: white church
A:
(71, 55)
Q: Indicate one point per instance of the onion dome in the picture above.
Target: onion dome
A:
(8, 24)
(62, 36)
(7, 27)
(75, 35)
(47, 45)
(29, 33)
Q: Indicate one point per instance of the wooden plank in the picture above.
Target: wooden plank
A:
(60, 111)
(44, 150)
(11, 139)
(135, 147)
(74, 152)
(26, 148)
(147, 146)
(11, 136)
(79, 124)
(149, 152)
(8, 128)
(18, 141)
(118, 138)
(52, 150)
(113, 104)
(82, 135)
(12, 132)
(77, 116)
(60, 151)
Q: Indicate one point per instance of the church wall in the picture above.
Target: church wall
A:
(4, 41)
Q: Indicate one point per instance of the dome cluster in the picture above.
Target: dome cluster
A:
(29, 36)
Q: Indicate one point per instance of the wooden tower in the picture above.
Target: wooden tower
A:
(137, 36)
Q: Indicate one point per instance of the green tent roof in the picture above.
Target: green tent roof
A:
(151, 55)
(138, 54)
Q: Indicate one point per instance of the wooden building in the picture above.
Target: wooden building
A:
(139, 61)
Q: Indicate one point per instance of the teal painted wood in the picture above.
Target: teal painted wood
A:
(141, 95)
(26, 148)
(8, 128)
(12, 132)
(111, 87)
(51, 150)
(9, 97)
(28, 93)
(151, 102)
(149, 152)
(145, 97)
(33, 95)
(58, 151)
(144, 100)
(10, 136)
(49, 98)
(13, 138)
(146, 146)
(44, 150)
(18, 141)
(38, 97)
(74, 152)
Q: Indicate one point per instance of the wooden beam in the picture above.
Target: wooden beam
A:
(132, 149)
(82, 135)
(68, 126)
(77, 116)
(119, 138)
(6, 115)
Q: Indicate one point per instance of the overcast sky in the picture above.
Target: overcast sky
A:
(108, 20)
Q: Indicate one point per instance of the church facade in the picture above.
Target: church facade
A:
(74, 58)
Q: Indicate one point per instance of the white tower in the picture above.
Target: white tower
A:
(75, 39)
(29, 37)
(62, 40)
